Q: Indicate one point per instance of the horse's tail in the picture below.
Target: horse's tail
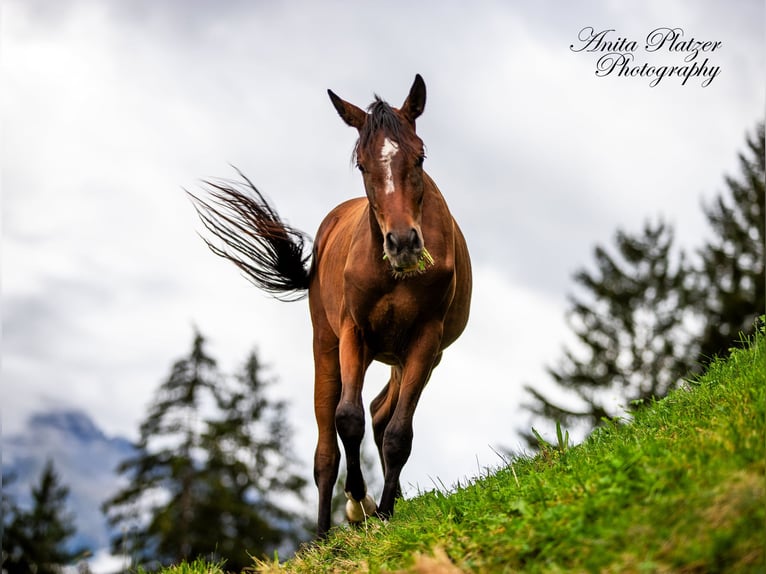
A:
(268, 251)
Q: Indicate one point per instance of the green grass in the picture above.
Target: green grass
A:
(678, 489)
(198, 566)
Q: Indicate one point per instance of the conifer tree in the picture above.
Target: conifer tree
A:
(630, 322)
(638, 324)
(36, 540)
(161, 474)
(730, 288)
(213, 451)
(249, 466)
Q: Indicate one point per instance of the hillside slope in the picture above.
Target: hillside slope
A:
(678, 489)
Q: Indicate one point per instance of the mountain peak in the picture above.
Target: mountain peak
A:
(72, 422)
(85, 459)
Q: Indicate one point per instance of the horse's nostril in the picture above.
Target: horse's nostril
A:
(391, 242)
(414, 239)
(403, 241)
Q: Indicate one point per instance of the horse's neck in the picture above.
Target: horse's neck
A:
(435, 200)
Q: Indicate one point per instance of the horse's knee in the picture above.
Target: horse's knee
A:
(349, 420)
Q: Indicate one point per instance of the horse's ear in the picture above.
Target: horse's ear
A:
(415, 103)
(353, 116)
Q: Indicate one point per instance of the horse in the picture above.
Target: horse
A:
(388, 279)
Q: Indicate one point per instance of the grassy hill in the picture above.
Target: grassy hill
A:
(678, 489)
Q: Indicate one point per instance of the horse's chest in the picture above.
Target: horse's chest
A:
(387, 322)
(390, 315)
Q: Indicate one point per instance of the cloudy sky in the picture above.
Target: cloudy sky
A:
(111, 108)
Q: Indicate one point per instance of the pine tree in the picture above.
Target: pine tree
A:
(249, 465)
(161, 474)
(730, 290)
(36, 540)
(638, 325)
(630, 324)
(212, 453)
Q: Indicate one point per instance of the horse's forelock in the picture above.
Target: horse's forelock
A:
(381, 117)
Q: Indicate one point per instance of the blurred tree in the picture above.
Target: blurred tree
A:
(249, 467)
(36, 540)
(730, 288)
(631, 326)
(213, 453)
(648, 318)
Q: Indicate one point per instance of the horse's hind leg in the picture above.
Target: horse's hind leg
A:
(326, 397)
(382, 408)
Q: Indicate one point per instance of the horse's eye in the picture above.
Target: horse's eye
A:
(420, 160)
(360, 167)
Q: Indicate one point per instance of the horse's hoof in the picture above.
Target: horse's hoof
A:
(359, 511)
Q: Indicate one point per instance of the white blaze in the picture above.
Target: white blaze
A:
(387, 153)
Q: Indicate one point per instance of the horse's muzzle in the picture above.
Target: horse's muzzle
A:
(403, 249)
(397, 243)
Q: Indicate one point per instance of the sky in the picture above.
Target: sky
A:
(112, 108)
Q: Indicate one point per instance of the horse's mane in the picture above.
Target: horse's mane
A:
(382, 117)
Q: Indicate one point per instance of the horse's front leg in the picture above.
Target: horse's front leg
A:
(397, 439)
(349, 420)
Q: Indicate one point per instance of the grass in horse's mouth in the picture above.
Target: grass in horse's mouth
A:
(424, 262)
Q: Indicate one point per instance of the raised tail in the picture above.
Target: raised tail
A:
(268, 251)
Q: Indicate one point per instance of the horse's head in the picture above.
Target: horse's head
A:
(390, 156)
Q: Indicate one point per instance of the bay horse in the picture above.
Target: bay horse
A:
(389, 280)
